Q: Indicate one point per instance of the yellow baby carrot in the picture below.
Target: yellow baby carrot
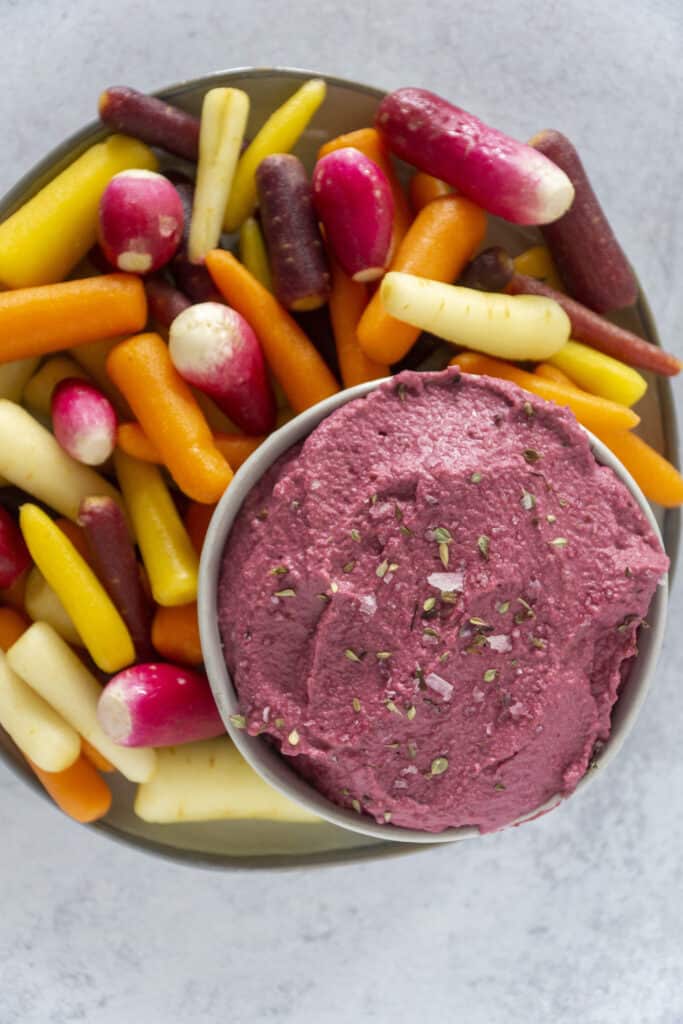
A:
(279, 134)
(43, 605)
(40, 732)
(92, 611)
(45, 238)
(253, 252)
(49, 666)
(599, 373)
(537, 262)
(166, 549)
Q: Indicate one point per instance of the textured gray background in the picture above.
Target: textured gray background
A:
(574, 918)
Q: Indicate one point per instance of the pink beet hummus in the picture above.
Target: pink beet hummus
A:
(430, 605)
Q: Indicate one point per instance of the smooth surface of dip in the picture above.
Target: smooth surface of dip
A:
(430, 605)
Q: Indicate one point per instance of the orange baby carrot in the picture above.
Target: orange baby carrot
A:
(236, 448)
(657, 478)
(550, 372)
(96, 759)
(425, 187)
(79, 791)
(141, 368)
(305, 377)
(348, 300)
(175, 634)
(197, 519)
(593, 412)
(371, 144)
(34, 321)
(440, 242)
(12, 625)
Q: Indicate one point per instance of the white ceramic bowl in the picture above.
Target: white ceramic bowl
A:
(273, 767)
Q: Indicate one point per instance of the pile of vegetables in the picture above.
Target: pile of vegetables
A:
(156, 328)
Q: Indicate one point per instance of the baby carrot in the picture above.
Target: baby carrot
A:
(96, 759)
(550, 372)
(370, 143)
(37, 729)
(278, 135)
(197, 519)
(43, 605)
(590, 410)
(46, 237)
(657, 478)
(175, 634)
(253, 252)
(236, 448)
(348, 300)
(108, 547)
(12, 625)
(78, 791)
(35, 321)
(87, 603)
(599, 373)
(141, 368)
(440, 241)
(293, 358)
(166, 549)
(425, 187)
(537, 262)
(46, 662)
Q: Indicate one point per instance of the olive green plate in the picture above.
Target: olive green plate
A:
(246, 844)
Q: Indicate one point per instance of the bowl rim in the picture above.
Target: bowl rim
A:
(271, 765)
(28, 184)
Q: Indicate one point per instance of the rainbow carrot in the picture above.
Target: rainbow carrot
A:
(253, 253)
(96, 759)
(657, 478)
(236, 448)
(197, 519)
(142, 370)
(87, 603)
(35, 321)
(550, 372)
(166, 549)
(441, 240)
(78, 791)
(348, 300)
(590, 410)
(175, 634)
(537, 262)
(424, 188)
(47, 236)
(299, 368)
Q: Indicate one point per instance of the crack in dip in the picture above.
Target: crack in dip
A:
(430, 605)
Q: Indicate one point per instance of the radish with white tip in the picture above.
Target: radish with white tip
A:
(503, 176)
(158, 705)
(214, 348)
(83, 421)
(354, 201)
(140, 221)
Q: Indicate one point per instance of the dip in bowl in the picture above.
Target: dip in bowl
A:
(418, 621)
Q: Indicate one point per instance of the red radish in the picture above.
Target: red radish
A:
(589, 258)
(14, 556)
(164, 302)
(354, 201)
(158, 705)
(504, 176)
(140, 221)
(114, 561)
(214, 348)
(84, 421)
